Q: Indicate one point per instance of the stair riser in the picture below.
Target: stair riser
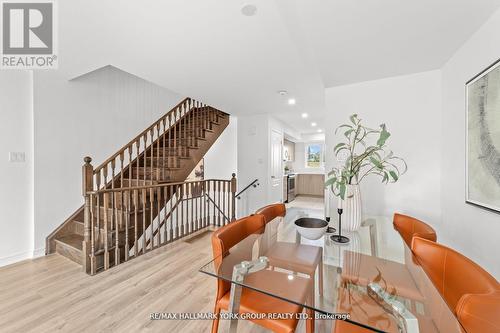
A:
(168, 163)
(134, 183)
(179, 142)
(171, 152)
(69, 252)
(147, 173)
(119, 212)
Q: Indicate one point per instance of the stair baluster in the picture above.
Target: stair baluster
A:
(88, 177)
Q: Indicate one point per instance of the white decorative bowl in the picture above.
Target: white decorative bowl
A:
(311, 228)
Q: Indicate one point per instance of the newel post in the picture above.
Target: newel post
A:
(87, 186)
(233, 197)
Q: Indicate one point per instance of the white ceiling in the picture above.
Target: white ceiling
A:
(208, 50)
(359, 40)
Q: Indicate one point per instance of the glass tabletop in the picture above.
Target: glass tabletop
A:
(373, 281)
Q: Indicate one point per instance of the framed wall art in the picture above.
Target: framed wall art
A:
(483, 139)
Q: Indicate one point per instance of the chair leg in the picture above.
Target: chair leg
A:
(215, 322)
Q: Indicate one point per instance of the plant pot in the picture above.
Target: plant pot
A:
(352, 214)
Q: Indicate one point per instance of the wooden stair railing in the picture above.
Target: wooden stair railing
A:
(164, 153)
(167, 212)
(156, 152)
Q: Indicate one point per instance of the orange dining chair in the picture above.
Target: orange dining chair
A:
(281, 254)
(271, 212)
(409, 227)
(251, 301)
(471, 292)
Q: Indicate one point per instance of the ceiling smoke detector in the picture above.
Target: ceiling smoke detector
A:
(282, 92)
(249, 10)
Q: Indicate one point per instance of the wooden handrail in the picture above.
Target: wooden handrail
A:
(141, 135)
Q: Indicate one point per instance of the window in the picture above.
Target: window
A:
(314, 155)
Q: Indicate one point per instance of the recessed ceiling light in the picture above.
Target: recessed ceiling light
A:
(305, 115)
(249, 10)
(291, 101)
(282, 92)
(319, 130)
(313, 124)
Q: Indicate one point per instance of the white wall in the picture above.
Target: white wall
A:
(253, 161)
(471, 230)
(93, 115)
(299, 165)
(411, 108)
(221, 160)
(16, 179)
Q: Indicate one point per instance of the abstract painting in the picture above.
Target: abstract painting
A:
(483, 139)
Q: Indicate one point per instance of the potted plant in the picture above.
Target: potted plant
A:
(359, 156)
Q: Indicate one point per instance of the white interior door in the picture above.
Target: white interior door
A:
(276, 167)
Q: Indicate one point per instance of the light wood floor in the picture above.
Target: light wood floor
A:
(308, 202)
(52, 294)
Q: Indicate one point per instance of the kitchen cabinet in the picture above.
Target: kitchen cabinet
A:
(310, 184)
(288, 151)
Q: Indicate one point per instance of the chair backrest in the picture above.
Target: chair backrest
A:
(480, 313)
(453, 274)
(228, 236)
(409, 227)
(271, 212)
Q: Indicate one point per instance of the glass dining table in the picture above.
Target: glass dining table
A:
(373, 281)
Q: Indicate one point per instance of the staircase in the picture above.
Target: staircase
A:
(139, 199)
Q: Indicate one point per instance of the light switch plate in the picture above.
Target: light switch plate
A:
(17, 157)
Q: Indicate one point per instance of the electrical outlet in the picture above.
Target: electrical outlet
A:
(17, 157)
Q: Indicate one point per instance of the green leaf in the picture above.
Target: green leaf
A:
(376, 163)
(385, 179)
(384, 135)
(342, 191)
(338, 146)
(354, 118)
(393, 175)
(342, 126)
(331, 181)
(348, 132)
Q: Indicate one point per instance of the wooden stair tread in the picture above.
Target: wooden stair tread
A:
(73, 240)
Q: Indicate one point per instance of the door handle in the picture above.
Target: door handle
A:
(272, 177)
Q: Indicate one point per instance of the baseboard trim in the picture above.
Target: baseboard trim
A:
(15, 258)
(9, 260)
(40, 252)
